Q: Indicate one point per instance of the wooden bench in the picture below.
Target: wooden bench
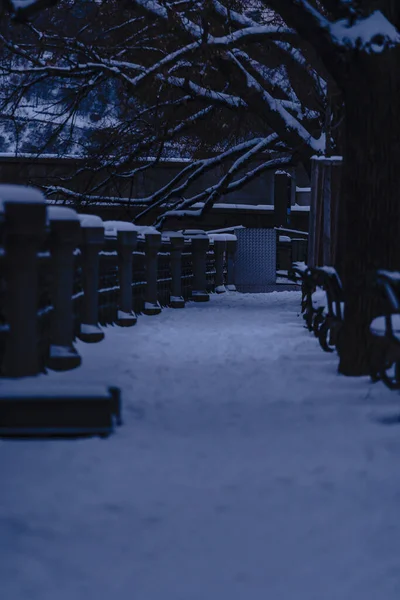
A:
(323, 313)
(386, 330)
(331, 320)
(301, 274)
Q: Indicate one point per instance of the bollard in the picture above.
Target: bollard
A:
(231, 246)
(24, 227)
(127, 240)
(200, 245)
(64, 238)
(219, 253)
(152, 246)
(92, 242)
(177, 245)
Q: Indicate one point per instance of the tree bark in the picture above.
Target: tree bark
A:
(369, 213)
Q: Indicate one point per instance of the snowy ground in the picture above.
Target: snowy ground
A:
(246, 469)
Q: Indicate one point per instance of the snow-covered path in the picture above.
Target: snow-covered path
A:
(246, 469)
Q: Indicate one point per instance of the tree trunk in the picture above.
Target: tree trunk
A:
(369, 213)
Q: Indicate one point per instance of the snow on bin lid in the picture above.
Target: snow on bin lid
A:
(19, 193)
(61, 213)
(90, 221)
(111, 228)
(284, 238)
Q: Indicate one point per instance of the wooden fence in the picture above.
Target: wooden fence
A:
(62, 275)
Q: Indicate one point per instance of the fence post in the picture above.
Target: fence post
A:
(200, 245)
(64, 238)
(25, 222)
(231, 246)
(325, 191)
(152, 246)
(282, 198)
(92, 242)
(177, 245)
(219, 253)
(126, 245)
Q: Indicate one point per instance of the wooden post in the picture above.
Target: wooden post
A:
(200, 245)
(314, 216)
(219, 253)
(92, 242)
(25, 221)
(177, 245)
(126, 240)
(152, 245)
(325, 190)
(231, 247)
(64, 238)
(282, 198)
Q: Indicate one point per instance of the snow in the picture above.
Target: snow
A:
(167, 235)
(301, 266)
(220, 289)
(246, 207)
(23, 4)
(125, 315)
(378, 326)
(150, 305)
(226, 229)
(222, 236)
(373, 33)
(299, 208)
(246, 469)
(90, 221)
(327, 158)
(111, 228)
(286, 229)
(87, 328)
(284, 238)
(145, 229)
(61, 351)
(393, 276)
(20, 194)
(61, 213)
(319, 299)
(331, 271)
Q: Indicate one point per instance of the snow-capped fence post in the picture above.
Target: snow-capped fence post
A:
(200, 245)
(219, 253)
(152, 246)
(64, 238)
(177, 245)
(231, 247)
(25, 223)
(92, 242)
(127, 241)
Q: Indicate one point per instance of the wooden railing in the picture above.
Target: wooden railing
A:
(63, 275)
